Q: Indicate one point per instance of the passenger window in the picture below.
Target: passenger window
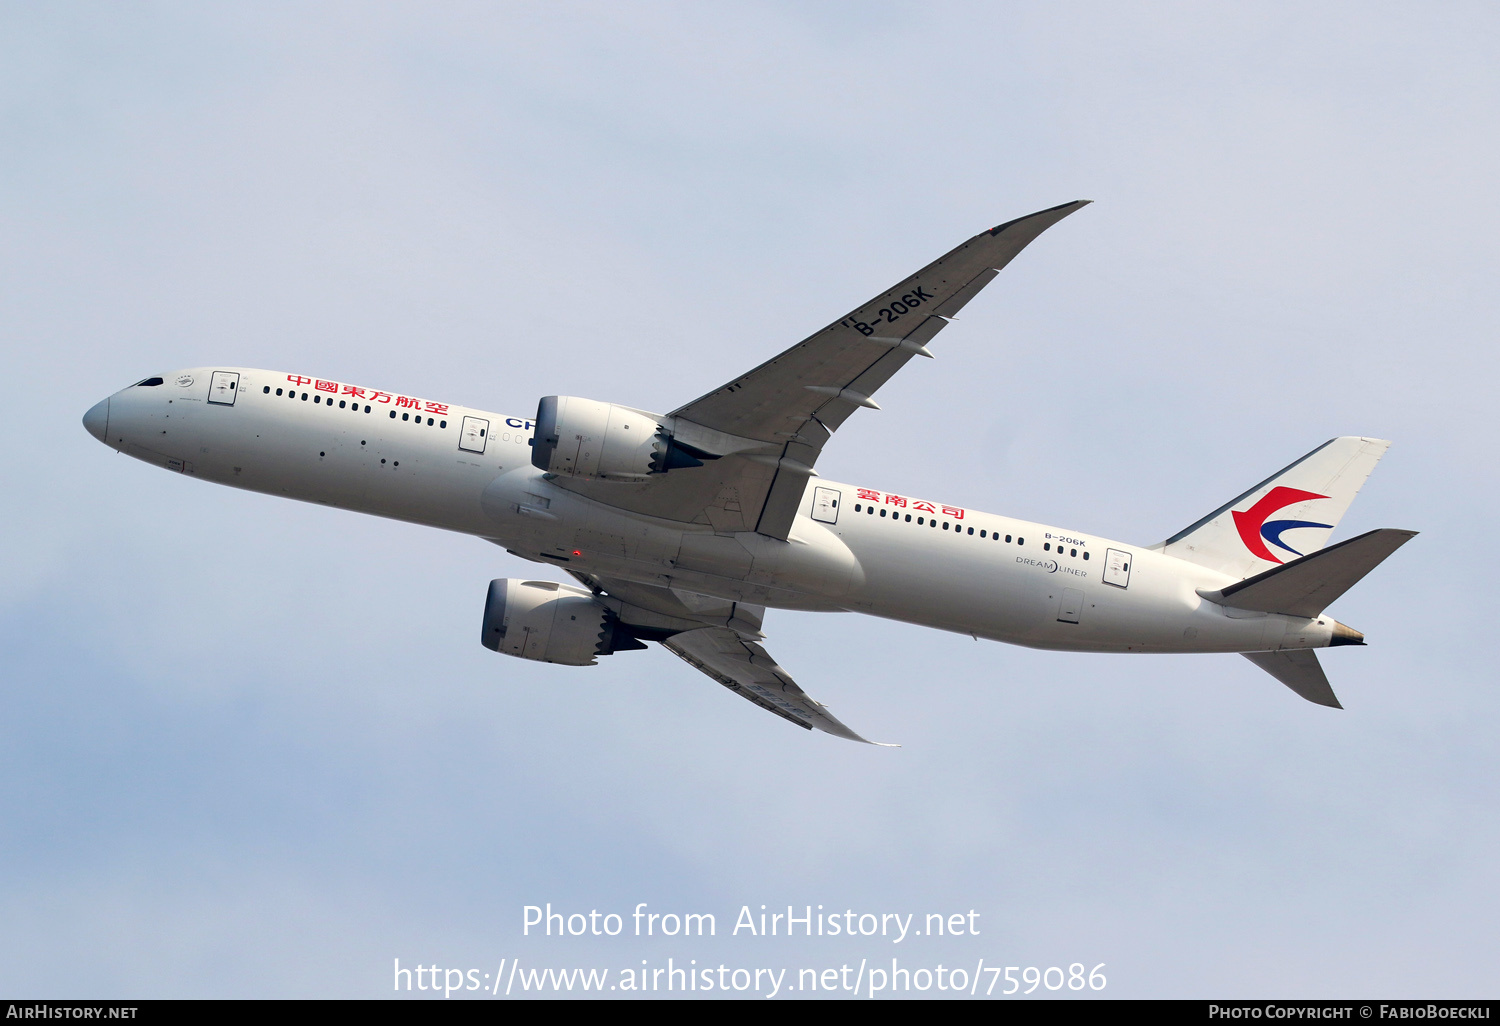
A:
(278, 391)
(971, 530)
(1085, 553)
(267, 390)
(882, 512)
(1046, 546)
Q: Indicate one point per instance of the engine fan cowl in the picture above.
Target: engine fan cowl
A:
(592, 440)
(551, 623)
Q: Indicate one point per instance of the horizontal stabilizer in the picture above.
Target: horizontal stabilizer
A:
(1299, 670)
(1307, 586)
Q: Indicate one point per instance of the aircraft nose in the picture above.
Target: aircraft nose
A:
(97, 419)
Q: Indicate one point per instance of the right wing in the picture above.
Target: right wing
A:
(748, 670)
(722, 639)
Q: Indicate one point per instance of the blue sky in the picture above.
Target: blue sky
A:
(253, 748)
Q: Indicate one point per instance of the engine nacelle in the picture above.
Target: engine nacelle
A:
(588, 439)
(552, 623)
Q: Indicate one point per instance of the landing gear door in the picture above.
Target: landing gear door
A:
(222, 387)
(1117, 568)
(473, 435)
(826, 505)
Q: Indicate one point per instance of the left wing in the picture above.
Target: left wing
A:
(770, 424)
(825, 377)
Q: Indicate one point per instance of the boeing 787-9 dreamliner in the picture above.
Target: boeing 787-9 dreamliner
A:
(683, 528)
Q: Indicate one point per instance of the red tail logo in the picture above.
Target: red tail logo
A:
(1255, 532)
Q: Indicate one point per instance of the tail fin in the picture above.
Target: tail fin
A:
(1307, 498)
(1307, 586)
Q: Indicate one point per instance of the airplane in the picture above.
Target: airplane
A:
(683, 529)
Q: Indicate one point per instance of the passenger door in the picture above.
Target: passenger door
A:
(222, 387)
(826, 505)
(473, 435)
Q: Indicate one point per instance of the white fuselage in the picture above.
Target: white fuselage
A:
(875, 552)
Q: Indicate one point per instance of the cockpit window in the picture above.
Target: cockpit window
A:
(149, 382)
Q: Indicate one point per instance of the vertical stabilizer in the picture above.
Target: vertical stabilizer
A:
(1290, 514)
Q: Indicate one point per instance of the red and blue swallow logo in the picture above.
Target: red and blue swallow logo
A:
(1255, 530)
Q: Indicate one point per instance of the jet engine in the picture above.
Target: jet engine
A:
(552, 623)
(587, 439)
